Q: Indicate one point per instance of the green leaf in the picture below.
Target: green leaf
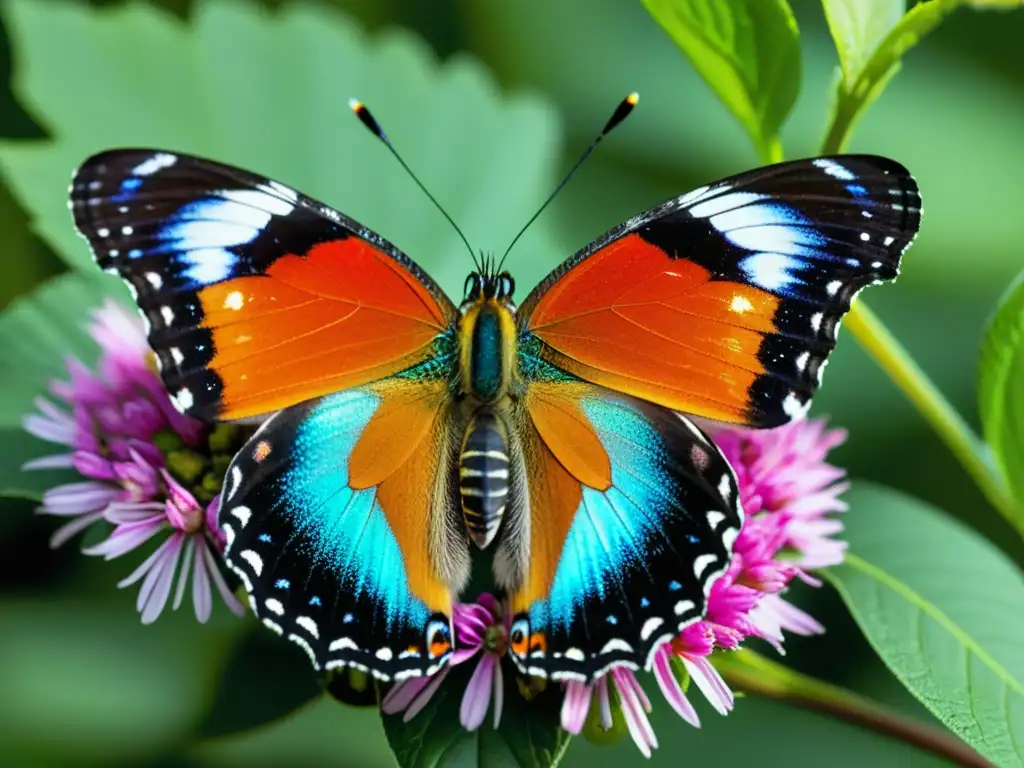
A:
(1001, 387)
(261, 662)
(870, 54)
(268, 92)
(38, 333)
(858, 26)
(528, 736)
(944, 609)
(749, 53)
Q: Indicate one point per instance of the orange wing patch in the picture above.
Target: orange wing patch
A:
(555, 411)
(338, 317)
(554, 498)
(632, 319)
(402, 421)
(411, 498)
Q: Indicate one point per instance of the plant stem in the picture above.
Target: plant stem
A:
(754, 674)
(969, 450)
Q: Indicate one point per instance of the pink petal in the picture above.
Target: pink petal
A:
(213, 570)
(202, 599)
(68, 530)
(424, 697)
(186, 565)
(478, 694)
(671, 689)
(156, 588)
(77, 498)
(57, 461)
(126, 538)
(499, 693)
(710, 684)
(403, 694)
(636, 718)
(575, 706)
(462, 655)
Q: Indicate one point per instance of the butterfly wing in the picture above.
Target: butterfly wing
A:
(725, 302)
(256, 297)
(336, 523)
(627, 515)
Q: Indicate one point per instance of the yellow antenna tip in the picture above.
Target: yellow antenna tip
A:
(633, 98)
(355, 105)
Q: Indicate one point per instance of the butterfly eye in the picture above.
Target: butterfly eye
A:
(507, 286)
(473, 286)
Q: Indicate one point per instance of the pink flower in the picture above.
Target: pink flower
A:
(126, 440)
(481, 630)
(788, 491)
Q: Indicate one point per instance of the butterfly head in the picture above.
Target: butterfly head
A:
(485, 286)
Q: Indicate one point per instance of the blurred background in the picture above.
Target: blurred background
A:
(82, 683)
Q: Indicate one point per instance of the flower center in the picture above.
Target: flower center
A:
(496, 639)
(192, 520)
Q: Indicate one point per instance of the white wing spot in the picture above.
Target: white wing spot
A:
(235, 478)
(167, 314)
(616, 644)
(714, 517)
(274, 606)
(343, 644)
(242, 514)
(684, 606)
(183, 400)
(725, 487)
(307, 624)
(234, 300)
(793, 407)
(153, 164)
(700, 564)
(833, 169)
(650, 627)
(255, 561)
(384, 654)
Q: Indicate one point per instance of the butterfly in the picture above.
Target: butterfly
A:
(405, 437)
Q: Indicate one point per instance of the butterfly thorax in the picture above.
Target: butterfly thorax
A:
(487, 354)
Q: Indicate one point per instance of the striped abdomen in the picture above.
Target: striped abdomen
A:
(483, 476)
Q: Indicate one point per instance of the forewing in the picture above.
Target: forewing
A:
(725, 302)
(255, 296)
(332, 513)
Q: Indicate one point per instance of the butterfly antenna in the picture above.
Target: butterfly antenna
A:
(367, 119)
(621, 113)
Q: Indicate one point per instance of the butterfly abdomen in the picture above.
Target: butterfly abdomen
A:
(484, 476)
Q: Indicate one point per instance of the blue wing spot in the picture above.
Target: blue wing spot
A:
(692, 539)
(674, 586)
(348, 618)
(645, 603)
(128, 188)
(282, 584)
(315, 601)
(856, 190)
(264, 537)
(612, 619)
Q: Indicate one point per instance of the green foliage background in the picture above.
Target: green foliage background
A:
(82, 683)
